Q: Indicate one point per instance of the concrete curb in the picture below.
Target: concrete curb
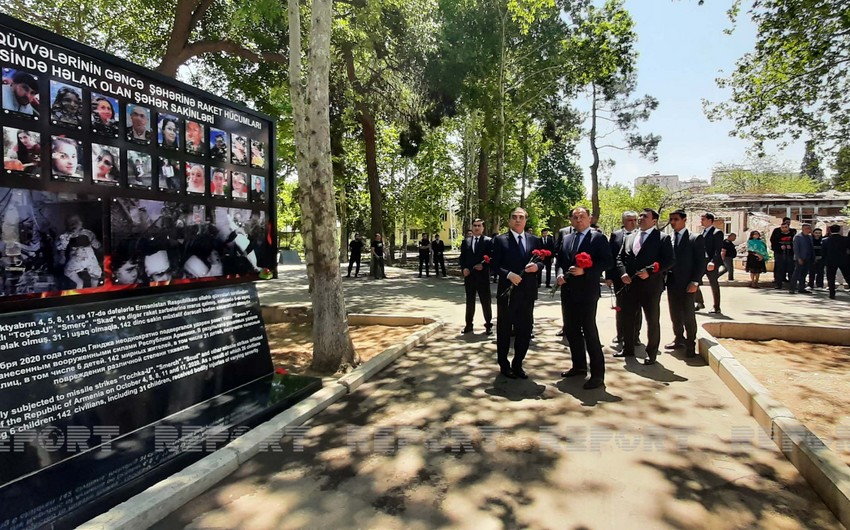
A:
(825, 472)
(155, 503)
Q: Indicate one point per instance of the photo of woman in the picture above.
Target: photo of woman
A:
(103, 115)
(258, 154)
(65, 154)
(105, 164)
(170, 176)
(218, 144)
(22, 151)
(195, 182)
(240, 185)
(139, 170)
(239, 156)
(66, 105)
(169, 132)
(194, 138)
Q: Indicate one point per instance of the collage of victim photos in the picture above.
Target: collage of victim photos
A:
(54, 243)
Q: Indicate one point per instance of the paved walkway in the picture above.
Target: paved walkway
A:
(437, 440)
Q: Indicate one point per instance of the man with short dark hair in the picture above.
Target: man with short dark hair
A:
(476, 274)
(729, 252)
(804, 255)
(580, 293)
(713, 241)
(548, 243)
(511, 256)
(682, 282)
(438, 248)
(782, 245)
(644, 280)
(817, 268)
(835, 257)
(424, 255)
(19, 95)
(355, 253)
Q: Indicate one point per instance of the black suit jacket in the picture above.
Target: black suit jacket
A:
(834, 250)
(469, 259)
(690, 262)
(615, 242)
(713, 241)
(507, 258)
(548, 243)
(586, 286)
(656, 247)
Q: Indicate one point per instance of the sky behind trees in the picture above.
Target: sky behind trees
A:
(682, 50)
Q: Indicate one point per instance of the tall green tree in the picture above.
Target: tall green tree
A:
(796, 80)
(841, 167)
(559, 186)
(758, 176)
(810, 166)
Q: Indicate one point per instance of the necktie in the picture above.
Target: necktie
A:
(678, 236)
(576, 243)
(639, 242)
(521, 246)
(474, 244)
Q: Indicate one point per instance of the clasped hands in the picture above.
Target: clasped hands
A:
(627, 280)
(515, 278)
(572, 271)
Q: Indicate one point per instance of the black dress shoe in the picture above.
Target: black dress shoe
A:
(488, 329)
(715, 311)
(560, 333)
(467, 329)
(573, 372)
(649, 360)
(624, 354)
(508, 374)
(674, 345)
(593, 382)
(699, 306)
(690, 355)
(519, 372)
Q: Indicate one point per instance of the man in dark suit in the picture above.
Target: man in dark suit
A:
(424, 255)
(612, 279)
(713, 241)
(548, 243)
(683, 280)
(476, 275)
(835, 257)
(511, 256)
(643, 285)
(580, 296)
(438, 248)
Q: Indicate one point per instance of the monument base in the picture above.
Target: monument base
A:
(80, 488)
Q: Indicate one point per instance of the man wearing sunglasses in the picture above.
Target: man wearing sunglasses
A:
(511, 256)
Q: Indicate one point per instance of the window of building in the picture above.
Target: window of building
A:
(444, 217)
(414, 234)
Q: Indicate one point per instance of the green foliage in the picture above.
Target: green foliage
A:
(841, 167)
(810, 166)
(795, 83)
(761, 175)
(559, 187)
(288, 210)
(616, 198)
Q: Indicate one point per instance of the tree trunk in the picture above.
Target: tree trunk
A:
(499, 181)
(367, 122)
(331, 341)
(594, 166)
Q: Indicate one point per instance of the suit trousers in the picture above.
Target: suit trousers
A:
(478, 283)
(683, 316)
(816, 274)
(798, 280)
(646, 296)
(513, 316)
(547, 263)
(439, 260)
(424, 261)
(583, 334)
(830, 276)
(354, 259)
(638, 319)
(783, 268)
(713, 278)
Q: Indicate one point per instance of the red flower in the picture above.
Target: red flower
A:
(281, 371)
(617, 308)
(656, 267)
(584, 260)
(486, 258)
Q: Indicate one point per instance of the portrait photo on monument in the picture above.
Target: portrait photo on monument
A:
(139, 170)
(219, 184)
(138, 125)
(219, 148)
(169, 132)
(105, 164)
(258, 154)
(195, 178)
(239, 155)
(258, 188)
(22, 152)
(104, 115)
(66, 105)
(20, 93)
(170, 175)
(240, 185)
(195, 138)
(66, 155)
(50, 242)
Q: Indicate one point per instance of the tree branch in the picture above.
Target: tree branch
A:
(233, 48)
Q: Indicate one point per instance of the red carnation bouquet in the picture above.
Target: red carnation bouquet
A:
(537, 256)
(583, 261)
(652, 269)
(486, 260)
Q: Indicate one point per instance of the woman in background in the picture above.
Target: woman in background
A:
(757, 257)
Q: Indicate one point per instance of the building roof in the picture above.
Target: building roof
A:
(824, 196)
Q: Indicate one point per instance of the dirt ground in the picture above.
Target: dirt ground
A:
(291, 345)
(810, 379)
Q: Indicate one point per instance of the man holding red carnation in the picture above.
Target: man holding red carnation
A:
(475, 253)
(513, 258)
(643, 261)
(582, 258)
